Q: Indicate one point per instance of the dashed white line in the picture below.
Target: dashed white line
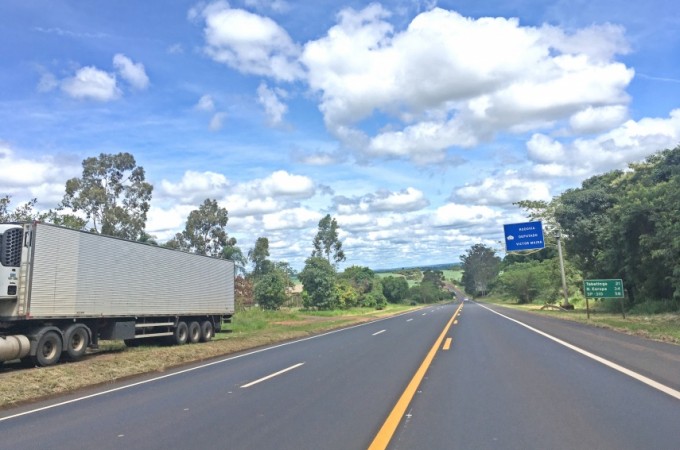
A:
(253, 383)
(379, 332)
(408, 320)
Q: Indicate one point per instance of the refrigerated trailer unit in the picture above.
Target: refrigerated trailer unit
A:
(63, 290)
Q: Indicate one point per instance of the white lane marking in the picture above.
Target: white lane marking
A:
(408, 320)
(424, 314)
(648, 381)
(191, 369)
(275, 374)
(379, 332)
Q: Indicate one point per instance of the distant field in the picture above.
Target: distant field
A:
(453, 275)
(382, 275)
(449, 275)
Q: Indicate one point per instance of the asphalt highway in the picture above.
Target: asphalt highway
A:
(444, 377)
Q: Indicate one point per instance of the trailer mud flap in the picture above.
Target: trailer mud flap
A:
(118, 330)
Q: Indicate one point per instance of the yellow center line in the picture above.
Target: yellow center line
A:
(382, 439)
(447, 344)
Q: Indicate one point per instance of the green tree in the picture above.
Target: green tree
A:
(113, 195)
(347, 295)
(205, 232)
(270, 289)
(234, 253)
(374, 298)
(425, 292)
(258, 257)
(524, 281)
(22, 213)
(436, 277)
(360, 277)
(318, 280)
(326, 242)
(480, 268)
(395, 289)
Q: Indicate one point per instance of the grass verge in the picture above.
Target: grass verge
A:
(659, 327)
(250, 329)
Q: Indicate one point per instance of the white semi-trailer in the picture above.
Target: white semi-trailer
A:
(62, 290)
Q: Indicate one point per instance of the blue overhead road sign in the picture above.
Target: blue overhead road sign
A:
(523, 236)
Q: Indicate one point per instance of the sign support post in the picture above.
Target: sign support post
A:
(566, 304)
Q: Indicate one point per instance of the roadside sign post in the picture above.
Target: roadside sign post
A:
(610, 288)
(529, 236)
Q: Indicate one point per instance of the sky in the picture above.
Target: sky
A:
(415, 124)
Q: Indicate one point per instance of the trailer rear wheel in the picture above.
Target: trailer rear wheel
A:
(181, 333)
(194, 332)
(207, 331)
(48, 349)
(76, 340)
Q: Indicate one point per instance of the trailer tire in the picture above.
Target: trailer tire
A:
(207, 331)
(181, 333)
(48, 349)
(194, 332)
(76, 341)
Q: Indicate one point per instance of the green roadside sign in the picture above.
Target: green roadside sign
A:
(603, 288)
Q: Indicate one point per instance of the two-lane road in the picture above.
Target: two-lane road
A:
(426, 379)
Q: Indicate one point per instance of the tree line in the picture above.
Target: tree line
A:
(112, 197)
(623, 224)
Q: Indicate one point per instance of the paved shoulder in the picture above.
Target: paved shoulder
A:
(657, 360)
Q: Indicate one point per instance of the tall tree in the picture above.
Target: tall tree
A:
(318, 279)
(22, 213)
(326, 242)
(258, 256)
(113, 195)
(205, 231)
(480, 268)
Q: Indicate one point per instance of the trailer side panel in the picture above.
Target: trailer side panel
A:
(78, 274)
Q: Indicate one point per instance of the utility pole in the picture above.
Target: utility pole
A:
(566, 304)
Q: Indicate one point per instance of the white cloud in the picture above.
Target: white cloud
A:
(194, 186)
(457, 215)
(281, 184)
(297, 218)
(26, 178)
(205, 103)
(248, 42)
(409, 199)
(131, 72)
(217, 121)
(542, 148)
(240, 205)
(270, 98)
(593, 119)
(91, 83)
(631, 141)
(450, 81)
(502, 190)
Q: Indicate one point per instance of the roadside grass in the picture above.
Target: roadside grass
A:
(250, 329)
(661, 327)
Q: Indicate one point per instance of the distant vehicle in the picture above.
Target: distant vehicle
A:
(62, 290)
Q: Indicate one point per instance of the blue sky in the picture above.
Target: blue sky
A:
(416, 124)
